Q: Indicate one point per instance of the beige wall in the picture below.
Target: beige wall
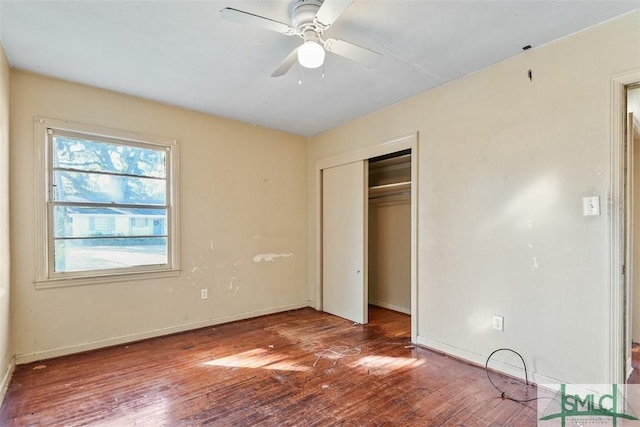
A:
(243, 194)
(6, 351)
(503, 165)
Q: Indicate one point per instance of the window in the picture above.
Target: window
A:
(108, 204)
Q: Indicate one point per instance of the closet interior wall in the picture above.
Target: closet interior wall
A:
(389, 240)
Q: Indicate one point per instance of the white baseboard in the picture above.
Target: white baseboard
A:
(63, 351)
(6, 379)
(391, 306)
(481, 360)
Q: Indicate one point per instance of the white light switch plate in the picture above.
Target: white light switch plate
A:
(591, 206)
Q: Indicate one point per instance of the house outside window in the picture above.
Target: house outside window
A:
(98, 225)
(109, 203)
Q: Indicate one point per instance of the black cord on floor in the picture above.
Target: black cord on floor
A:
(526, 378)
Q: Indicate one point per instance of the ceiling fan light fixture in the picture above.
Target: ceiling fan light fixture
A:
(311, 54)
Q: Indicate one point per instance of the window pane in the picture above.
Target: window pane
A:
(100, 188)
(73, 221)
(86, 155)
(101, 254)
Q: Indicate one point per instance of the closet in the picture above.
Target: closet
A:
(389, 231)
(367, 231)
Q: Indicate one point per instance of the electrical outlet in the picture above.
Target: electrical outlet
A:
(498, 323)
(204, 293)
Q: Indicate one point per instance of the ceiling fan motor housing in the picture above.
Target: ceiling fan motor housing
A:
(303, 13)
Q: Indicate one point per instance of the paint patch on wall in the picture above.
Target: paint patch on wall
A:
(233, 287)
(270, 257)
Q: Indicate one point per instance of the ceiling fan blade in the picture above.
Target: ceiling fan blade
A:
(288, 62)
(331, 10)
(363, 56)
(235, 15)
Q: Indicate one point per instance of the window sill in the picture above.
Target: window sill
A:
(63, 282)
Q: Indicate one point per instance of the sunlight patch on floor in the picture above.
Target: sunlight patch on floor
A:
(258, 358)
(381, 365)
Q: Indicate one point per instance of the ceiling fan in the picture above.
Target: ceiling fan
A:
(309, 20)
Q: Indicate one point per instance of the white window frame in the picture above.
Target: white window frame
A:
(45, 275)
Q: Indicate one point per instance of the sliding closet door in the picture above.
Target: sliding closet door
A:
(344, 241)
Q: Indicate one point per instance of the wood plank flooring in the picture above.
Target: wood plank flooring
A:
(298, 368)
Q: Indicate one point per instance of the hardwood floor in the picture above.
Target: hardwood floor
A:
(298, 368)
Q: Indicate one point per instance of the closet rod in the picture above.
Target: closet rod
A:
(403, 193)
(391, 186)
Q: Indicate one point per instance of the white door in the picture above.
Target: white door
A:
(344, 241)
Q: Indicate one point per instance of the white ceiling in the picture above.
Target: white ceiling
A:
(182, 53)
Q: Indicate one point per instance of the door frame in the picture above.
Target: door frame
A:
(618, 285)
(387, 147)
